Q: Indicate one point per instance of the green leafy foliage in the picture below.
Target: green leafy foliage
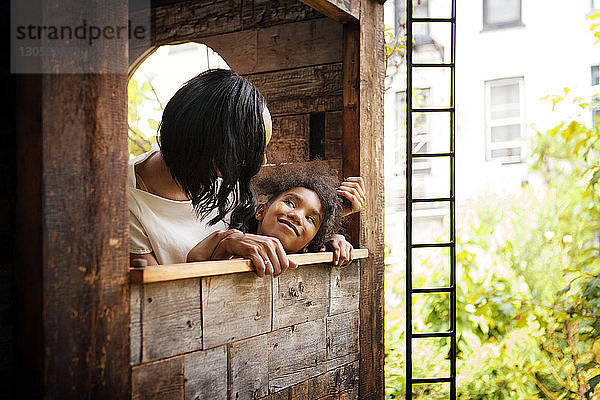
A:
(528, 272)
(142, 129)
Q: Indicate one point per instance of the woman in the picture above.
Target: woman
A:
(212, 141)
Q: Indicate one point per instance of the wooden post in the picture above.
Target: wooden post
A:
(363, 155)
(72, 261)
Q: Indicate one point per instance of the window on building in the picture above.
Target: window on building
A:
(595, 69)
(504, 117)
(501, 13)
(421, 34)
(595, 74)
(595, 5)
(421, 140)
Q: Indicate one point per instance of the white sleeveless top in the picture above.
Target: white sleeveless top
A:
(166, 227)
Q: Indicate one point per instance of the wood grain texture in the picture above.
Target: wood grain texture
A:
(161, 380)
(345, 288)
(301, 90)
(290, 140)
(136, 301)
(334, 132)
(206, 374)
(171, 319)
(339, 10)
(342, 339)
(372, 74)
(249, 368)
(164, 273)
(264, 13)
(190, 20)
(84, 204)
(303, 295)
(235, 307)
(296, 353)
(333, 384)
(293, 45)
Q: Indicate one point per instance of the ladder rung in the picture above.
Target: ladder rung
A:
(430, 380)
(432, 155)
(447, 109)
(431, 335)
(433, 65)
(434, 290)
(432, 200)
(424, 245)
(433, 20)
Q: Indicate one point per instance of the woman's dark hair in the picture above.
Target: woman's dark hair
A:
(316, 177)
(213, 126)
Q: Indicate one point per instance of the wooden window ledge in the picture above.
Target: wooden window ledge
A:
(172, 272)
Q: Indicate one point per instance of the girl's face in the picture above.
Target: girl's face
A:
(293, 217)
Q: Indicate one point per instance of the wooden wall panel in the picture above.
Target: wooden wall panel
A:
(338, 10)
(136, 299)
(235, 307)
(290, 140)
(264, 13)
(302, 90)
(296, 353)
(249, 368)
(161, 380)
(294, 45)
(206, 374)
(171, 319)
(342, 339)
(303, 295)
(345, 288)
(334, 133)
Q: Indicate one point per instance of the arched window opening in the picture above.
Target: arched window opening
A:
(155, 81)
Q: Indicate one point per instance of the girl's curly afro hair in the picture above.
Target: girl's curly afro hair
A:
(315, 176)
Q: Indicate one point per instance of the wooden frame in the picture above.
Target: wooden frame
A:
(71, 273)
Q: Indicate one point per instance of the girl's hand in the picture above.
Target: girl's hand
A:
(266, 253)
(342, 250)
(204, 250)
(352, 189)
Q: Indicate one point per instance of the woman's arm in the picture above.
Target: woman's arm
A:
(150, 258)
(205, 249)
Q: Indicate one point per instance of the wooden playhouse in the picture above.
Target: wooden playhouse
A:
(77, 323)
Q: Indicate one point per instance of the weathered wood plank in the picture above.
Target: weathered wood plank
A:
(334, 132)
(294, 45)
(345, 288)
(302, 90)
(290, 140)
(161, 380)
(342, 339)
(206, 374)
(85, 293)
(339, 10)
(333, 383)
(249, 368)
(171, 319)
(351, 139)
(372, 73)
(163, 273)
(264, 13)
(235, 307)
(191, 20)
(137, 297)
(303, 295)
(296, 353)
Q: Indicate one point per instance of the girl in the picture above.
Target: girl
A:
(302, 212)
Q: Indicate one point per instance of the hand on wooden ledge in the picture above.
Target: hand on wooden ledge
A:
(266, 253)
(342, 250)
(205, 249)
(353, 192)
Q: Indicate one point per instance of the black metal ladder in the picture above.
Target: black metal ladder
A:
(451, 244)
